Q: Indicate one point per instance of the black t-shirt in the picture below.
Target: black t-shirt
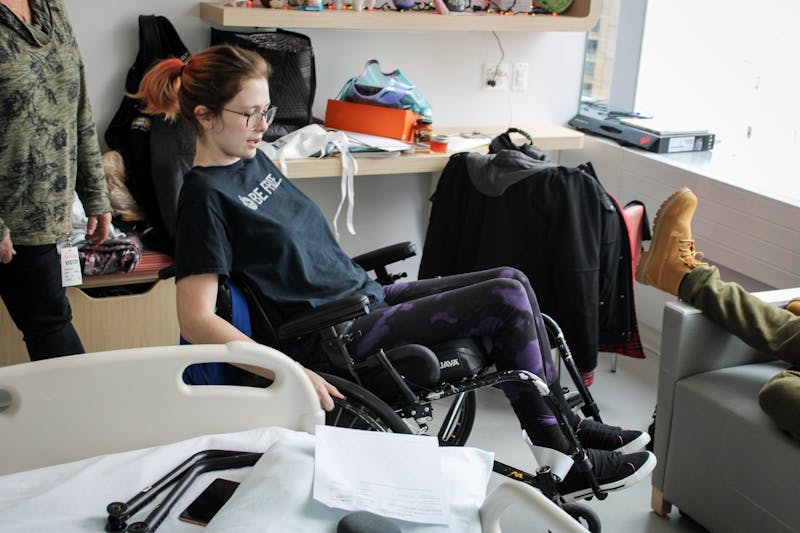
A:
(249, 219)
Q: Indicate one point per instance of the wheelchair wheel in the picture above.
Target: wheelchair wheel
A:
(361, 409)
(455, 427)
(584, 515)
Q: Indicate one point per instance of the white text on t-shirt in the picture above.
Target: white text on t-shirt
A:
(261, 193)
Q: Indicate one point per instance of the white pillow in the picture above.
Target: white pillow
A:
(277, 494)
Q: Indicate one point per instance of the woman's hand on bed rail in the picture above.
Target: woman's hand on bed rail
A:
(324, 390)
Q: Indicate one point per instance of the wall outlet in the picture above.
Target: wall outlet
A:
(519, 78)
(495, 77)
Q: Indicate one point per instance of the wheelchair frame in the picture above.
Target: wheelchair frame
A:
(373, 413)
(363, 409)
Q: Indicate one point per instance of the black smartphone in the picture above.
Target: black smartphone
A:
(211, 500)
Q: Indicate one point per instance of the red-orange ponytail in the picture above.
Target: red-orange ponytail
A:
(159, 88)
(210, 78)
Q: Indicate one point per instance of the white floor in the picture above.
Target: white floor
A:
(625, 398)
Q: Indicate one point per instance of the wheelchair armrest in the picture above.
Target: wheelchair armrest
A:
(386, 255)
(324, 316)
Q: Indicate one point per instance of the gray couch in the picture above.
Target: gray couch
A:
(721, 460)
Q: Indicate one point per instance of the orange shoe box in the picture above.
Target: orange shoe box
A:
(371, 119)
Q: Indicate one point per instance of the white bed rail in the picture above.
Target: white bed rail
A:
(79, 406)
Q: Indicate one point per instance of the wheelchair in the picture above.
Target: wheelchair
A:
(410, 388)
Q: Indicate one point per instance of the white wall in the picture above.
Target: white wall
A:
(446, 66)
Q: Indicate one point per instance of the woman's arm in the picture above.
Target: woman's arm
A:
(199, 324)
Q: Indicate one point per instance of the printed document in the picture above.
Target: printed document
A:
(390, 474)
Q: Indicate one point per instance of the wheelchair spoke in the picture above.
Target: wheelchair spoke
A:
(352, 416)
(361, 409)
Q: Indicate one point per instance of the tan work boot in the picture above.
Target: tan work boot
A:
(794, 306)
(671, 254)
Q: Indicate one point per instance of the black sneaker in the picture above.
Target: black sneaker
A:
(613, 470)
(593, 434)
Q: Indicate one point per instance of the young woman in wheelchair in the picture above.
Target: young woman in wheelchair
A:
(238, 214)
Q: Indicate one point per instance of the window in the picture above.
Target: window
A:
(728, 69)
(599, 58)
(716, 64)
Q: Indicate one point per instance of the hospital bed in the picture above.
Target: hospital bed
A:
(81, 431)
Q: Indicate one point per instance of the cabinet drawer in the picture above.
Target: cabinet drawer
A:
(108, 323)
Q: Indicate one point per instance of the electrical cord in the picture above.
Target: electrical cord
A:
(491, 82)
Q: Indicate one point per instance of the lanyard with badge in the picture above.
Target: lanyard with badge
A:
(70, 262)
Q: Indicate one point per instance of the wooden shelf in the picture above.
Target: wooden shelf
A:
(581, 16)
(546, 137)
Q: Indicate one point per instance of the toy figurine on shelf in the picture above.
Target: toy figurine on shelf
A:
(555, 6)
(360, 5)
(404, 5)
(457, 5)
(440, 7)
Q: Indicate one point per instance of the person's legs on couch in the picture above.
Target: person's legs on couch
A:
(765, 327)
(781, 395)
(780, 399)
(673, 265)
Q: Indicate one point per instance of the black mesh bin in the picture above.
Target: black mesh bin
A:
(293, 81)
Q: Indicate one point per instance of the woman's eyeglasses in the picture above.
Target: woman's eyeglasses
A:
(252, 119)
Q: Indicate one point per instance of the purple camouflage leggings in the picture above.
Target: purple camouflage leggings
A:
(497, 303)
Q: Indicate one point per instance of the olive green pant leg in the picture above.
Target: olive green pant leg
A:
(780, 399)
(763, 326)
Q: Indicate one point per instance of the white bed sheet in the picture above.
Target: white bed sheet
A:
(72, 497)
(262, 504)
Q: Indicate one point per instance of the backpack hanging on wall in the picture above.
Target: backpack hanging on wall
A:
(157, 153)
(293, 80)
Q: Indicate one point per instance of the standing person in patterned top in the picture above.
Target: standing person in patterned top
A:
(48, 151)
(237, 214)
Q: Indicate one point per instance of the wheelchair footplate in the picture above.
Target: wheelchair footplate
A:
(546, 482)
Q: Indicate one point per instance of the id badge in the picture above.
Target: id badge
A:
(70, 266)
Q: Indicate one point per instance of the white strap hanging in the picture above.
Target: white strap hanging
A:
(315, 141)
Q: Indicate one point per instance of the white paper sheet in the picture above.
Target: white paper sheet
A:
(393, 475)
(457, 143)
(374, 141)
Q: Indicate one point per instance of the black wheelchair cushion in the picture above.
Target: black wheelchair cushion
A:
(460, 358)
(423, 368)
(417, 364)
